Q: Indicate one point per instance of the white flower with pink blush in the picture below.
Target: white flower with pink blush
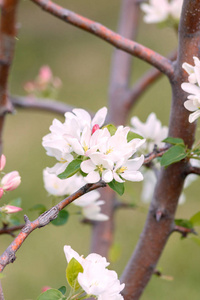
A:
(96, 279)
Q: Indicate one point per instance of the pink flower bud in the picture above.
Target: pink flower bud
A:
(45, 74)
(11, 181)
(1, 192)
(10, 209)
(45, 288)
(2, 162)
(95, 127)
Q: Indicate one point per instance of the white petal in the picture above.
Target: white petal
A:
(194, 116)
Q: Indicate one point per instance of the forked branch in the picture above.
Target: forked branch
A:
(44, 219)
(155, 59)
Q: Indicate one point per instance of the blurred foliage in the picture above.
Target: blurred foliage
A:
(82, 61)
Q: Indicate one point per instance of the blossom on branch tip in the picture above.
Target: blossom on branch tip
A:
(10, 209)
(10, 181)
(193, 89)
(96, 279)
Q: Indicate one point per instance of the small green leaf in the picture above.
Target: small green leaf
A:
(111, 128)
(72, 271)
(72, 168)
(62, 289)
(16, 202)
(195, 219)
(14, 220)
(117, 186)
(38, 207)
(132, 135)
(61, 219)
(173, 155)
(184, 223)
(51, 294)
(173, 141)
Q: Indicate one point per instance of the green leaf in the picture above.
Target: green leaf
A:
(195, 219)
(117, 186)
(72, 271)
(173, 141)
(173, 155)
(132, 135)
(51, 294)
(111, 128)
(184, 223)
(72, 168)
(14, 220)
(61, 219)
(16, 202)
(62, 289)
(39, 207)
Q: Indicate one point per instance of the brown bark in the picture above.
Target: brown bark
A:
(170, 182)
(7, 43)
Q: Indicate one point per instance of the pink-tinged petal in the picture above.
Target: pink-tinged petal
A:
(11, 181)
(100, 116)
(1, 192)
(95, 128)
(45, 288)
(190, 88)
(10, 209)
(194, 116)
(87, 166)
(2, 162)
(189, 105)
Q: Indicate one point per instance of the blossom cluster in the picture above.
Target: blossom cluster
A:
(161, 10)
(103, 155)
(8, 182)
(193, 89)
(45, 84)
(95, 279)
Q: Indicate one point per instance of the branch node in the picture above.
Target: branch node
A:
(48, 216)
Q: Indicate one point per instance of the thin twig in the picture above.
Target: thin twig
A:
(193, 170)
(10, 230)
(155, 59)
(183, 230)
(154, 154)
(40, 104)
(44, 219)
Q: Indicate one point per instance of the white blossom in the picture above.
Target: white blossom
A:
(160, 10)
(193, 89)
(96, 279)
(152, 130)
(128, 169)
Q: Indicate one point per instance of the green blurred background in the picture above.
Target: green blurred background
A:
(82, 61)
